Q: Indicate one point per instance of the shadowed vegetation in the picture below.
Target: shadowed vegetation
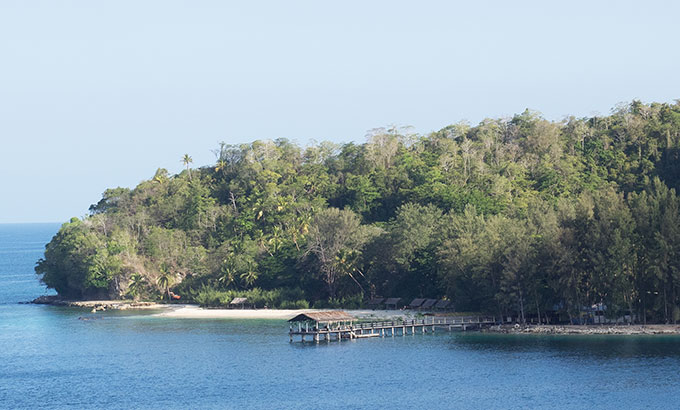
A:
(514, 216)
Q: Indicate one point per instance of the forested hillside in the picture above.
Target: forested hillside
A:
(511, 216)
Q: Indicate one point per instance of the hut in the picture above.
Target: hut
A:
(375, 302)
(327, 319)
(238, 302)
(442, 304)
(415, 303)
(392, 302)
(429, 303)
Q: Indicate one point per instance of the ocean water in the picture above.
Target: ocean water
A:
(51, 360)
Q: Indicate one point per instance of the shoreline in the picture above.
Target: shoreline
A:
(98, 305)
(188, 311)
(197, 312)
(630, 330)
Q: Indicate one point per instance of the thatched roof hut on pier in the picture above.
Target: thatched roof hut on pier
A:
(326, 318)
(322, 323)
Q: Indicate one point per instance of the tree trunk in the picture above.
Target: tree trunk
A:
(538, 309)
(521, 307)
(673, 299)
(233, 201)
(331, 283)
(665, 304)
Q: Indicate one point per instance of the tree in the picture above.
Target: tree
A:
(186, 160)
(510, 216)
(78, 263)
(136, 286)
(221, 165)
(335, 232)
(164, 281)
(250, 275)
(404, 260)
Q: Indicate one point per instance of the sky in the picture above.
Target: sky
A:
(99, 94)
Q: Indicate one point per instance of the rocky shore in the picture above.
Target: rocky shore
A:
(97, 305)
(587, 329)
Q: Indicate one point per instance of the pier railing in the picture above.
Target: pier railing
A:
(436, 321)
(377, 328)
(367, 325)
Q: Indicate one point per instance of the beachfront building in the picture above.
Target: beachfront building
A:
(238, 302)
(338, 325)
(321, 323)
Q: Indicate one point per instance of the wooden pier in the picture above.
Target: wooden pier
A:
(337, 325)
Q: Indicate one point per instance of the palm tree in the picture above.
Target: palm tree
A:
(226, 277)
(250, 276)
(161, 176)
(227, 271)
(221, 165)
(276, 239)
(186, 160)
(136, 286)
(346, 262)
(164, 281)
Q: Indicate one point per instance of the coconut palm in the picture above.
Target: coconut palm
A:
(227, 271)
(250, 275)
(346, 262)
(161, 176)
(164, 281)
(136, 286)
(186, 160)
(276, 238)
(221, 165)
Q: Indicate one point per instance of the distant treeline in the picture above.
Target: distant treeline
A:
(517, 216)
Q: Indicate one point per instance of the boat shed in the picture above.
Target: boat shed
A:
(327, 317)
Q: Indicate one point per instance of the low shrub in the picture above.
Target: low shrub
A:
(275, 298)
(294, 304)
(346, 302)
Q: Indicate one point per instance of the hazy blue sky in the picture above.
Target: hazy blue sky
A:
(97, 94)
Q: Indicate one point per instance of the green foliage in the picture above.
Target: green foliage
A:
(283, 298)
(137, 287)
(79, 263)
(294, 304)
(520, 216)
(336, 238)
(346, 302)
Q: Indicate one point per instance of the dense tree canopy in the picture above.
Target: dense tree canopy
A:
(519, 216)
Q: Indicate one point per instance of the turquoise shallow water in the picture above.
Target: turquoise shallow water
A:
(50, 359)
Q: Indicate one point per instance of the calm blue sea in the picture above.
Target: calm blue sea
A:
(51, 360)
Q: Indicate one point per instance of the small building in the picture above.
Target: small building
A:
(415, 303)
(442, 304)
(375, 302)
(429, 304)
(328, 319)
(238, 302)
(392, 303)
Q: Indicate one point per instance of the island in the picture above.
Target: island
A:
(527, 220)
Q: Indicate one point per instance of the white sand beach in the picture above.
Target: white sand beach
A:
(196, 312)
(186, 311)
